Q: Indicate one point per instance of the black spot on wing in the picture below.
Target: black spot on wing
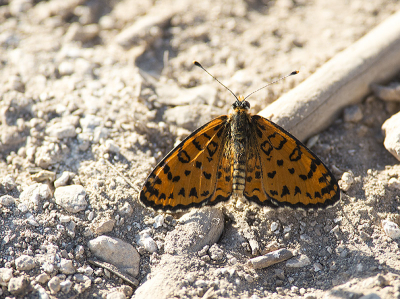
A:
(197, 145)
(193, 192)
(182, 192)
(207, 175)
(183, 156)
(285, 191)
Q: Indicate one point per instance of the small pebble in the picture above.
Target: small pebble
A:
(391, 229)
(346, 181)
(54, 285)
(25, 263)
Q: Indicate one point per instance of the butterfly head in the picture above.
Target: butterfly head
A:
(241, 104)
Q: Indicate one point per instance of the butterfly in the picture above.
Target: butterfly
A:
(241, 155)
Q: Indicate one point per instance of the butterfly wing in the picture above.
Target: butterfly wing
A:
(280, 170)
(193, 173)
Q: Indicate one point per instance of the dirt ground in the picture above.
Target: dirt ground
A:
(102, 90)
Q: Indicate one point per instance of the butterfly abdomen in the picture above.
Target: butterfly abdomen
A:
(239, 121)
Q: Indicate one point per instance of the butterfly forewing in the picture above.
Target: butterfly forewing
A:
(189, 175)
(282, 171)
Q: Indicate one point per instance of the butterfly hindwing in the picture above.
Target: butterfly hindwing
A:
(189, 175)
(280, 170)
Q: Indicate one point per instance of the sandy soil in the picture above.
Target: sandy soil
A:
(84, 83)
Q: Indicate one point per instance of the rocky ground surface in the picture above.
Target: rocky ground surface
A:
(94, 93)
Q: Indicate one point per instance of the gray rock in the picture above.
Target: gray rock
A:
(71, 198)
(8, 182)
(198, 228)
(61, 130)
(353, 114)
(116, 295)
(147, 241)
(42, 278)
(66, 286)
(391, 229)
(5, 275)
(298, 261)
(54, 285)
(117, 252)
(105, 226)
(391, 128)
(25, 263)
(67, 267)
(126, 209)
(270, 258)
(19, 286)
(7, 200)
(63, 179)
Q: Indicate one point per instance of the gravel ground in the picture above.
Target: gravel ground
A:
(94, 93)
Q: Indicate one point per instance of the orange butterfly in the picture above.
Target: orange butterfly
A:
(242, 155)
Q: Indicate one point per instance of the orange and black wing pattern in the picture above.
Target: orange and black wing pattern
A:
(281, 171)
(194, 173)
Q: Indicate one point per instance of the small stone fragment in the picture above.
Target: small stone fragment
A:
(43, 176)
(116, 295)
(105, 226)
(298, 261)
(71, 198)
(117, 252)
(270, 258)
(7, 200)
(8, 182)
(346, 181)
(61, 130)
(353, 114)
(5, 275)
(25, 263)
(391, 229)
(158, 221)
(391, 128)
(42, 278)
(67, 267)
(389, 93)
(19, 286)
(63, 179)
(54, 285)
(147, 241)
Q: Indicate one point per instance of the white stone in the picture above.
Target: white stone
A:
(274, 226)
(25, 262)
(5, 275)
(391, 128)
(7, 200)
(117, 252)
(158, 221)
(71, 198)
(298, 261)
(67, 266)
(391, 229)
(54, 285)
(346, 181)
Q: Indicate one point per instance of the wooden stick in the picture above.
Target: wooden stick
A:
(344, 80)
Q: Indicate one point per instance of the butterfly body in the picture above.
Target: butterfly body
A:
(242, 155)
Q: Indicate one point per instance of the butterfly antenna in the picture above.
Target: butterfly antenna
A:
(291, 74)
(196, 63)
